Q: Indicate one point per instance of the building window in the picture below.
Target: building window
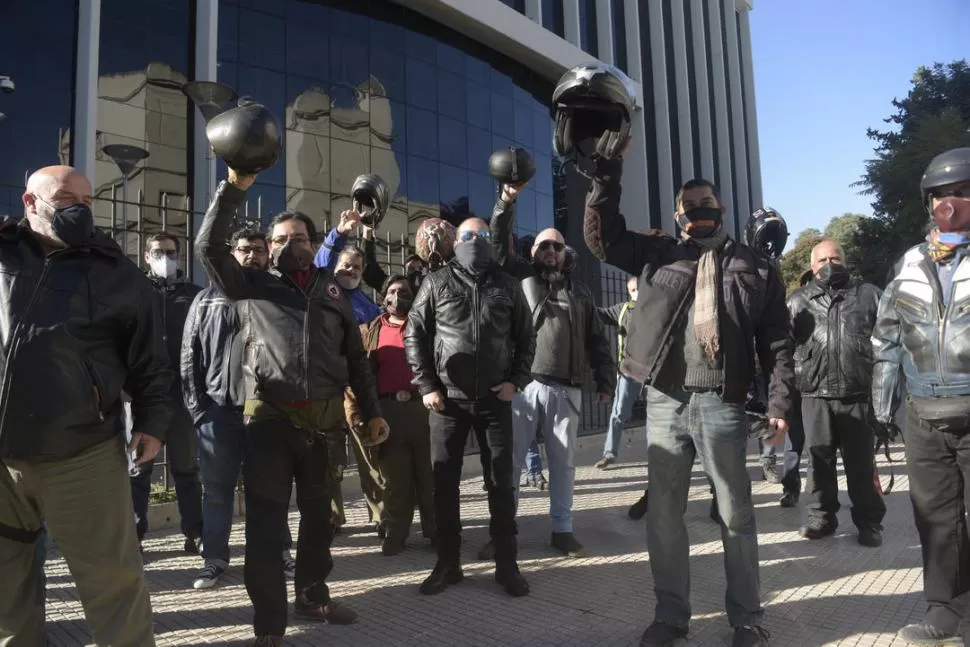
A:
(35, 121)
(518, 5)
(553, 17)
(588, 39)
(619, 34)
(143, 62)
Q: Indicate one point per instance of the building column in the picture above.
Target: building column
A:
(705, 134)
(604, 30)
(685, 139)
(204, 162)
(724, 178)
(737, 114)
(570, 10)
(84, 151)
(634, 201)
(533, 9)
(661, 108)
(751, 112)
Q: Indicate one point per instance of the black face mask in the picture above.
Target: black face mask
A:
(291, 258)
(833, 275)
(74, 225)
(700, 222)
(474, 255)
(399, 304)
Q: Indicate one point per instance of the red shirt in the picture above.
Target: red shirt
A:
(301, 277)
(393, 372)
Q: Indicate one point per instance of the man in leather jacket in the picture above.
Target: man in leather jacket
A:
(301, 350)
(709, 306)
(211, 383)
(923, 327)
(470, 343)
(569, 340)
(832, 319)
(79, 327)
(173, 297)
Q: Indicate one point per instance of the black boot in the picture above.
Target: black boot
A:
(639, 509)
(509, 578)
(443, 576)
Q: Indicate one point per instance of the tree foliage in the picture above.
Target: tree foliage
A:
(932, 118)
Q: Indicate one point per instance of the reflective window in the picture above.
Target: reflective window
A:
(518, 5)
(38, 56)
(588, 40)
(619, 34)
(144, 59)
(553, 17)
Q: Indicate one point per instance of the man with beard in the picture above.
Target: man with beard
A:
(347, 264)
(713, 306)
(405, 458)
(211, 382)
(470, 344)
(173, 295)
(569, 339)
(923, 327)
(301, 350)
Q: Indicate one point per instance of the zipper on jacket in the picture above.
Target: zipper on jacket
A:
(837, 310)
(942, 334)
(476, 331)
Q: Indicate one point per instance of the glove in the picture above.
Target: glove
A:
(376, 432)
(886, 431)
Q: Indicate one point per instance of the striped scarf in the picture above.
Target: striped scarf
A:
(706, 293)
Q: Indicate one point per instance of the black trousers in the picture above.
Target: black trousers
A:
(833, 426)
(491, 420)
(938, 464)
(792, 483)
(277, 454)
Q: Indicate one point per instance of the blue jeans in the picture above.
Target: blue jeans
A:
(222, 441)
(555, 411)
(533, 461)
(683, 425)
(627, 392)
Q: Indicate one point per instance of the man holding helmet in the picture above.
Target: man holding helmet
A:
(713, 306)
(923, 326)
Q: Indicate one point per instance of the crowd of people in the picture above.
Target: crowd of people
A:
(283, 360)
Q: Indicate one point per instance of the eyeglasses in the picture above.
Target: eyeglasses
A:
(162, 253)
(252, 249)
(299, 239)
(554, 244)
(466, 236)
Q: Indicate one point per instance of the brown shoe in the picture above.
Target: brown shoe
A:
(333, 612)
(604, 462)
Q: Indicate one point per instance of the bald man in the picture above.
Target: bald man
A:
(470, 344)
(78, 328)
(569, 341)
(832, 319)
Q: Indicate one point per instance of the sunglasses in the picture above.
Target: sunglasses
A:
(550, 244)
(466, 236)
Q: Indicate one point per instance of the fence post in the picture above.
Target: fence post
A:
(138, 224)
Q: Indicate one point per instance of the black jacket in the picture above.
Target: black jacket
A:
(754, 319)
(298, 344)
(466, 335)
(833, 350)
(173, 299)
(586, 342)
(211, 372)
(77, 327)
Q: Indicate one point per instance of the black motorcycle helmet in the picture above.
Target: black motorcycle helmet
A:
(248, 137)
(767, 232)
(371, 197)
(511, 165)
(593, 101)
(946, 168)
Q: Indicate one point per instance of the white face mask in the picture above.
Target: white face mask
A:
(633, 296)
(164, 267)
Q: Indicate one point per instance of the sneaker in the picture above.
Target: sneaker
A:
(769, 469)
(566, 543)
(208, 576)
(870, 537)
(639, 509)
(289, 566)
(788, 500)
(604, 462)
(193, 545)
(268, 641)
(817, 528)
(926, 634)
(540, 482)
(660, 634)
(332, 613)
(750, 636)
(487, 553)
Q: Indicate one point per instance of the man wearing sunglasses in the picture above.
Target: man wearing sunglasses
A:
(470, 344)
(569, 340)
(174, 294)
(923, 327)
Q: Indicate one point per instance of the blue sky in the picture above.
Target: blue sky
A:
(825, 71)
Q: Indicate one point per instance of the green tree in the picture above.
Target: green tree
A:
(798, 259)
(932, 118)
(840, 228)
(843, 229)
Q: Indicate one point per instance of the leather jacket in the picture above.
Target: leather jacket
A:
(920, 331)
(832, 328)
(299, 344)
(173, 299)
(77, 326)
(209, 376)
(467, 334)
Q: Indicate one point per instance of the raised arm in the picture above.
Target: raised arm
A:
(374, 275)
(211, 243)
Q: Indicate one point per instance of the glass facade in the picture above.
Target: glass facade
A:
(35, 119)
(588, 36)
(386, 91)
(145, 57)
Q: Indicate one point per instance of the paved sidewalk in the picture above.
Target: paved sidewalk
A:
(828, 592)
